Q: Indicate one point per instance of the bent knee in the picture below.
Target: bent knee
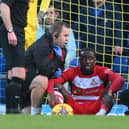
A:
(18, 72)
(39, 82)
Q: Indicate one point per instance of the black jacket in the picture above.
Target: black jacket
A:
(41, 57)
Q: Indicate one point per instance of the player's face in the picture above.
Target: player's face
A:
(87, 61)
(63, 37)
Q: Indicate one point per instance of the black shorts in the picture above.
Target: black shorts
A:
(14, 55)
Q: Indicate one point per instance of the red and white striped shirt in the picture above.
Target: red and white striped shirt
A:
(88, 87)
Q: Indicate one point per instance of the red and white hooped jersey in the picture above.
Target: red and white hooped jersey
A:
(88, 87)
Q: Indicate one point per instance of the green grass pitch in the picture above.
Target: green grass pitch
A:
(63, 122)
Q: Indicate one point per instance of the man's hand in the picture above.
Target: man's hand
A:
(63, 91)
(12, 39)
(118, 50)
(52, 99)
(108, 101)
(58, 51)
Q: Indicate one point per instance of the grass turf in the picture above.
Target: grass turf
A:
(63, 122)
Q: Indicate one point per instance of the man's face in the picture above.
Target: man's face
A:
(97, 3)
(51, 15)
(87, 61)
(63, 37)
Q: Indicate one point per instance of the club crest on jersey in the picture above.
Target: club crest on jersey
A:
(93, 82)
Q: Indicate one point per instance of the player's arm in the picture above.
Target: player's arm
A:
(116, 82)
(6, 17)
(67, 76)
(52, 83)
(52, 99)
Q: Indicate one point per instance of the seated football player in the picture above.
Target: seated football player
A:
(90, 92)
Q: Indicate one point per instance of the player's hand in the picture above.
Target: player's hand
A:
(58, 51)
(12, 39)
(108, 101)
(52, 99)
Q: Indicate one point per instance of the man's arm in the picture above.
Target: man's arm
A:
(116, 82)
(46, 65)
(118, 49)
(6, 17)
(56, 84)
(5, 13)
(113, 81)
(67, 76)
(52, 83)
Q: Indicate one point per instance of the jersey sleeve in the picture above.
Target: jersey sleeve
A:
(52, 82)
(116, 80)
(67, 76)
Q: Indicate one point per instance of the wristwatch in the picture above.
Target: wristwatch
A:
(10, 30)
